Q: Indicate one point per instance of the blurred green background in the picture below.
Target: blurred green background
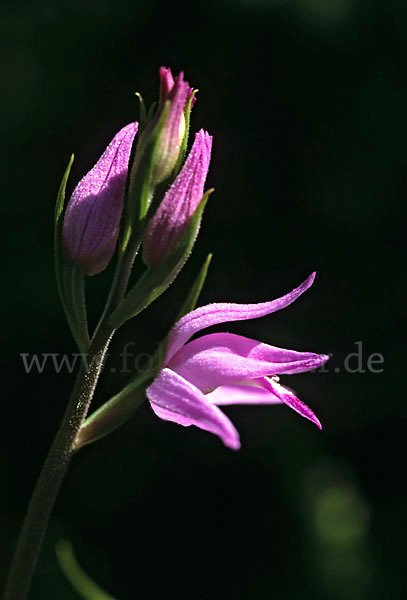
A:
(306, 100)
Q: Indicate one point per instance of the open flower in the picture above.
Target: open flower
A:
(222, 368)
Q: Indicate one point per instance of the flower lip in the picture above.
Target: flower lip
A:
(169, 390)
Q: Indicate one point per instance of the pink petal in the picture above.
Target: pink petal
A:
(213, 314)
(290, 399)
(166, 83)
(172, 398)
(241, 394)
(179, 203)
(92, 217)
(224, 358)
(168, 148)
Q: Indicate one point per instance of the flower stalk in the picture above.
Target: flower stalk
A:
(85, 241)
(53, 472)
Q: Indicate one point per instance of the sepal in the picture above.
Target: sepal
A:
(184, 144)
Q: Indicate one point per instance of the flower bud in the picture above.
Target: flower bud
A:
(179, 204)
(177, 94)
(166, 84)
(92, 217)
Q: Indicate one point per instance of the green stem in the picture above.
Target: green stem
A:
(79, 305)
(53, 472)
(120, 280)
(63, 447)
(73, 300)
(126, 266)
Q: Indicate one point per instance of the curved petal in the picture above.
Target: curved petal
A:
(213, 314)
(172, 398)
(241, 394)
(225, 358)
(289, 398)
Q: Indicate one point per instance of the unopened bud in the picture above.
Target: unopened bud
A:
(175, 94)
(179, 203)
(92, 217)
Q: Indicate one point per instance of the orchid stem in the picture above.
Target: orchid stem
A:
(125, 271)
(64, 445)
(53, 472)
(79, 306)
(120, 280)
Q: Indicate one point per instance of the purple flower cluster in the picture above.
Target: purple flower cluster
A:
(217, 369)
(92, 218)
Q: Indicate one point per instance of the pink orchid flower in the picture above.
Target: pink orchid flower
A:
(222, 368)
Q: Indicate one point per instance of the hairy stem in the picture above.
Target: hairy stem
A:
(53, 472)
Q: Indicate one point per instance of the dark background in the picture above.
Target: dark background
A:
(306, 100)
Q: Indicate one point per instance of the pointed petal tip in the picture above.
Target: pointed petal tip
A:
(235, 446)
(230, 436)
(203, 136)
(290, 399)
(130, 131)
(310, 280)
(232, 440)
(317, 361)
(311, 416)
